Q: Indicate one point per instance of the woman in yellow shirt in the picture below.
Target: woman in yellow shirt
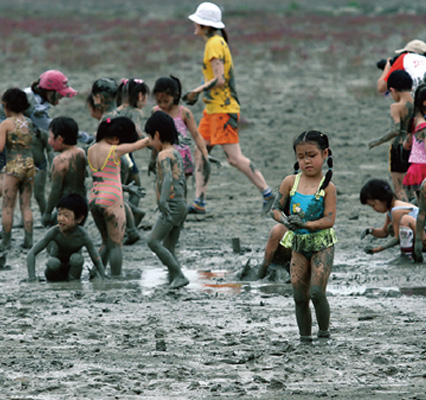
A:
(219, 124)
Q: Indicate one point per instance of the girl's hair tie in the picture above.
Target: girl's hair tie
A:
(108, 120)
(139, 81)
(124, 81)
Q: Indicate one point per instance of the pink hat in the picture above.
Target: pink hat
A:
(57, 81)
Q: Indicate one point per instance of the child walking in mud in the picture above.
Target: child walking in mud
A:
(65, 241)
(68, 171)
(400, 216)
(115, 137)
(399, 85)
(167, 92)
(416, 144)
(311, 199)
(170, 188)
(16, 135)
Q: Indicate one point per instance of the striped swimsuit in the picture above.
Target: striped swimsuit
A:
(106, 190)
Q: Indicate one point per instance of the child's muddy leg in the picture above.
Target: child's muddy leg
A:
(321, 265)
(131, 230)
(98, 216)
(300, 276)
(76, 267)
(115, 218)
(160, 232)
(275, 236)
(25, 192)
(39, 187)
(10, 190)
(397, 178)
(53, 270)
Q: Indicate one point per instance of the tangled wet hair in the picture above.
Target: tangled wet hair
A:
(377, 189)
(65, 127)
(15, 100)
(400, 80)
(121, 127)
(170, 85)
(321, 141)
(163, 124)
(419, 99)
(129, 89)
(106, 87)
(76, 203)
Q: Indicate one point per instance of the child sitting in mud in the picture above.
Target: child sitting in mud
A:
(311, 200)
(400, 216)
(399, 85)
(68, 171)
(115, 137)
(16, 135)
(65, 242)
(170, 188)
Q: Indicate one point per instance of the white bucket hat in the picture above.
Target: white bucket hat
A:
(208, 14)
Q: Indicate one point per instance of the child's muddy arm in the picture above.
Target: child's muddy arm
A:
(327, 221)
(390, 134)
(166, 187)
(131, 147)
(57, 175)
(278, 209)
(95, 257)
(37, 248)
(370, 249)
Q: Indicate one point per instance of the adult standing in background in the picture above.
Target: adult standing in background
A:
(219, 124)
(411, 59)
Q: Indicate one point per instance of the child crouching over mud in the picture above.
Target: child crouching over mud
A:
(170, 188)
(400, 216)
(65, 242)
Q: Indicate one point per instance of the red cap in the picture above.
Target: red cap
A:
(57, 81)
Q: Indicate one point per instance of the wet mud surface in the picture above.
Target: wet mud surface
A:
(226, 335)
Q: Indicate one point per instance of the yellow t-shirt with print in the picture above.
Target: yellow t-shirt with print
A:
(222, 99)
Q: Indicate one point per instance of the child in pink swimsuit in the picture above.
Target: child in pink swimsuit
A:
(415, 141)
(167, 92)
(115, 137)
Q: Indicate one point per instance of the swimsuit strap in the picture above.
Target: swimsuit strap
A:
(109, 156)
(319, 193)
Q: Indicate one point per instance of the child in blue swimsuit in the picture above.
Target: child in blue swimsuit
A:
(306, 205)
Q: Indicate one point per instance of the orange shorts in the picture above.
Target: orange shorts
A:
(219, 128)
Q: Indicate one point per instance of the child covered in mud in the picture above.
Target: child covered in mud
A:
(68, 171)
(311, 199)
(115, 137)
(167, 92)
(132, 97)
(170, 188)
(16, 135)
(415, 143)
(400, 217)
(104, 93)
(420, 224)
(65, 241)
(399, 85)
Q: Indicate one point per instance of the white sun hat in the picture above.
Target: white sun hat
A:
(208, 14)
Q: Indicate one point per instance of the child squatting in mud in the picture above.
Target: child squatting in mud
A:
(65, 241)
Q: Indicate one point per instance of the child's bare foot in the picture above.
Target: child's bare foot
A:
(132, 237)
(179, 281)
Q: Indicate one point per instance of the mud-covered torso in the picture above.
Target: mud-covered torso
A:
(175, 163)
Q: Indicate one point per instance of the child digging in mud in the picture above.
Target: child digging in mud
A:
(16, 134)
(115, 137)
(65, 242)
(68, 171)
(312, 205)
(400, 215)
(170, 188)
